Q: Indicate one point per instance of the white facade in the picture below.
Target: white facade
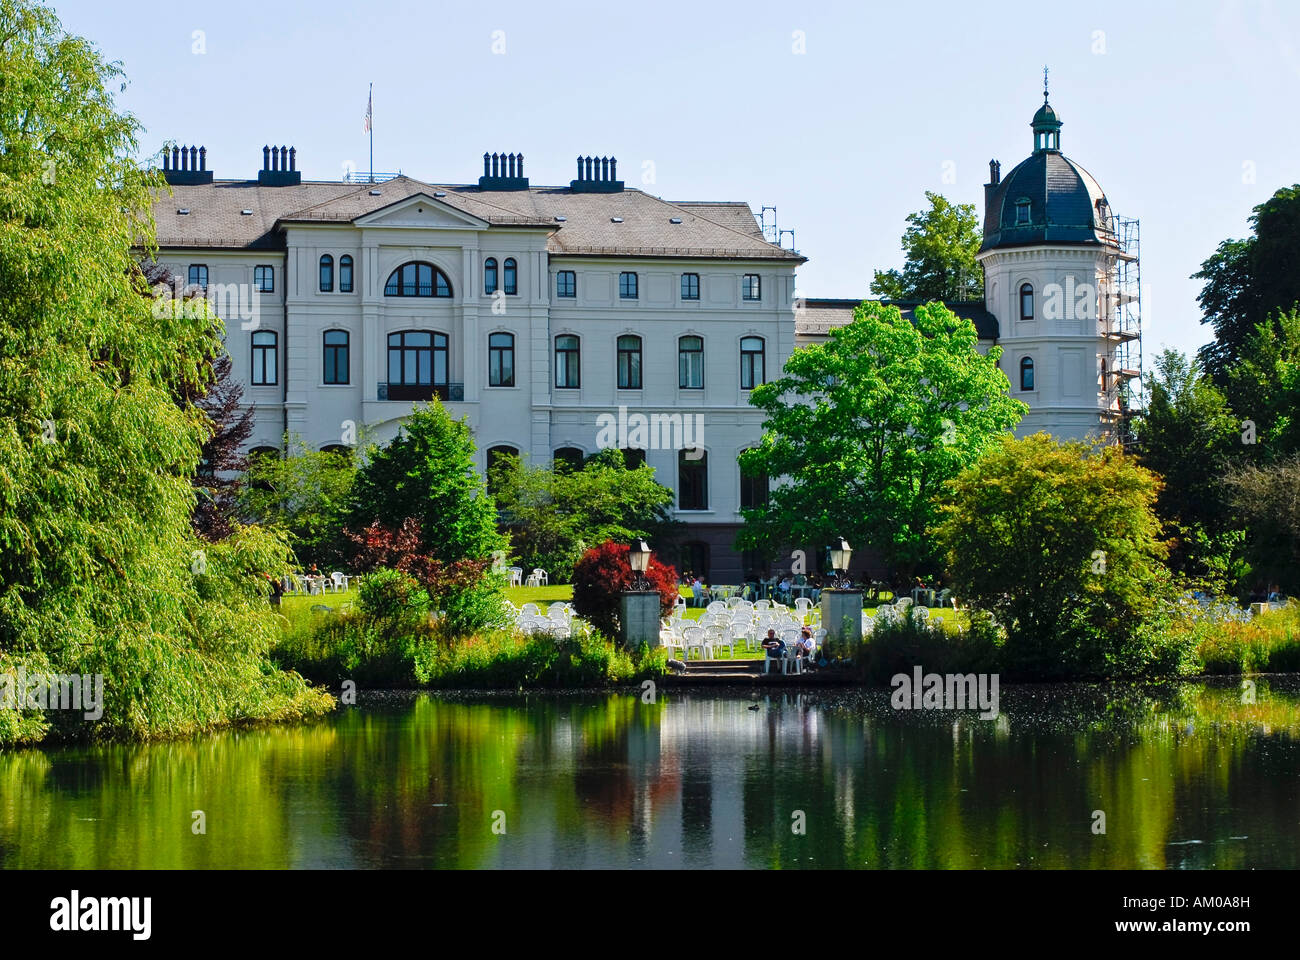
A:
(531, 412)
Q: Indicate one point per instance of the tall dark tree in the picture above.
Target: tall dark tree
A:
(1247, 282)
(1189, 436)
(222, 463)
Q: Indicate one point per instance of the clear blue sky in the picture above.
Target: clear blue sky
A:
(1187, 118)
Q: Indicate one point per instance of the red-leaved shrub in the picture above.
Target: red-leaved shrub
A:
(601, 576)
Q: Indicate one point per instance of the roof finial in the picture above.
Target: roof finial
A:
(1044, 83)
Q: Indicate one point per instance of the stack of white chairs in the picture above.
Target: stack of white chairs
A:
(697, 640)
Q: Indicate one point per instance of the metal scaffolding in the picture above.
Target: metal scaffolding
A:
(1121, 327)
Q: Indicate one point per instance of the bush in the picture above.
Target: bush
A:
(466, 594)
(600, 578)
(1061, 543)
(897, 645)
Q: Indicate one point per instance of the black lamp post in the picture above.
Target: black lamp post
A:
(841, 553)
(639, 557)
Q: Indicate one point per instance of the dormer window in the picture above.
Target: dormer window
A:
(1022, 211)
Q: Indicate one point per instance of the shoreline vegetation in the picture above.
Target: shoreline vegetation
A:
(401, 650)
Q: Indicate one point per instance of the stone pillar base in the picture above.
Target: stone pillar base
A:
(842, 620)
(639, 618)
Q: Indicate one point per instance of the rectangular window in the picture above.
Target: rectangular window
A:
(501, 360)
(265, 362)
(690, 286)
(627, 286)
(198, 276)
(567, 362)
(690, 363)
(417, 365)
(751, 287)
(693, 481)
(753, 491)
(629, 363)
(752, 366)
(264, 279)
(336, 357)
(566, 283)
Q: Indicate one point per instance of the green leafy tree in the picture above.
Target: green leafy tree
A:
(1189, 437)
(427, 473)
(1268, 499)
(100, 571)
(940, 246)
(1247, 282)
(552, 513)
(865, 429)
(1263, 386)
(1061, 542)
(305, 494)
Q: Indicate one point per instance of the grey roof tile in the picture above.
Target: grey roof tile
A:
(629, 223)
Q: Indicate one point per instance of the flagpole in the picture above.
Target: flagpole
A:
(372, 132)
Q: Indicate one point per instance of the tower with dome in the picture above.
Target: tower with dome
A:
(1061, 293)
(1061, 278)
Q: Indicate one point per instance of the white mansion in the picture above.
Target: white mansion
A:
(540, 312)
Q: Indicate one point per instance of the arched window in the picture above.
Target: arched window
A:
(753, 368)
(690, 363)
(265, 359)
(692, 480)
(568, 458)
(1026, 301)
(568, 362)
(510, 277)
(417, 279)
(498, 459)
(753, 490)
(490, 276)
(417, 365)
(633, 457)
(345, 274)
(1027, 373)
(629, 362)
(338, 448)
(501, 360)
(336, 356)
(326, 274)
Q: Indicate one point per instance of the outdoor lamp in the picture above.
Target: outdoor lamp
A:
(840, 556)
(638, 555)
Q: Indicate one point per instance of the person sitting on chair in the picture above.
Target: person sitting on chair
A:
(698, 593)
(774, 645)
(805, 644)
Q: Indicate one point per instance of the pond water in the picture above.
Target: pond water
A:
(1186, 776)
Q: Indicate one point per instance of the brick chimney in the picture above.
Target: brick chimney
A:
(186, 165)
(597, 175)
(279, 167)
(503, 171)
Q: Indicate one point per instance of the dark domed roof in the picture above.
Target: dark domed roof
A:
(1046, 199)
(1062, 199)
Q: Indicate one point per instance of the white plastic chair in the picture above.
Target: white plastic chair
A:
(516, 576)
(802, 605)
(340, 581)
(530, 610)
(719, 636)
(696, 639)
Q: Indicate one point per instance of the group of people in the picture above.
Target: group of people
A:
(776, 647)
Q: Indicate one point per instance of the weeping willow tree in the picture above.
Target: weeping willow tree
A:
(100, 572)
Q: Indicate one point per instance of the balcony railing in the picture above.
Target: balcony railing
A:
(422, 391)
